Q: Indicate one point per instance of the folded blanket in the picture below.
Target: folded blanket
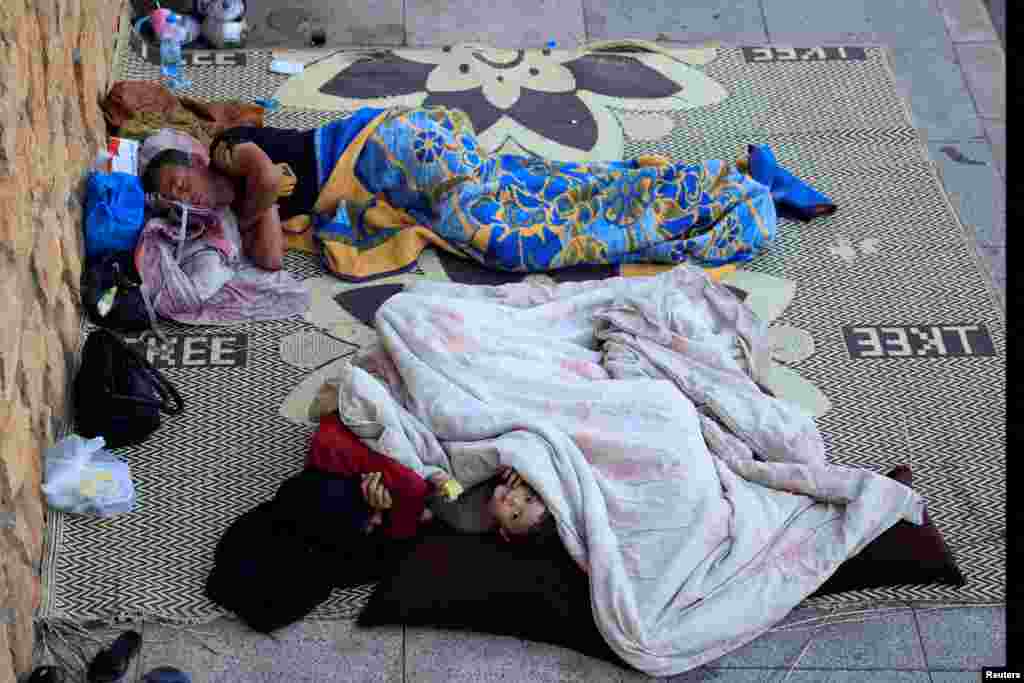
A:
(418, 177)
(137, 109)
(702, 509)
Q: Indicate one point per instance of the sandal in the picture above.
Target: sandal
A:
(111, 664)
(166, 674)
(47, 674)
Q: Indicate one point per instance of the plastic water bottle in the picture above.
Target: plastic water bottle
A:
(171, 40)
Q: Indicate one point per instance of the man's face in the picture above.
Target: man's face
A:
(187, 184)
(516, 509)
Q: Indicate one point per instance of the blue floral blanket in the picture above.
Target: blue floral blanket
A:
(416, 177)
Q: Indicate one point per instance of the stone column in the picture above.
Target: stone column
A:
(54, 66)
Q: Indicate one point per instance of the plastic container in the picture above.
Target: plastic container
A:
(171, 41)
(188, 25)
(221, 10)
(225, 34)
(173, 30)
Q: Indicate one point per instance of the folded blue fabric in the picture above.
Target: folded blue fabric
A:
(115, 206)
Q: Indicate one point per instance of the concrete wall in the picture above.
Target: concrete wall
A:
(54, 63)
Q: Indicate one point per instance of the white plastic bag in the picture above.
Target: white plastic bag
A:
(83, 478)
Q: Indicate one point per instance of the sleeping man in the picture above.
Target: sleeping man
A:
(392, 170)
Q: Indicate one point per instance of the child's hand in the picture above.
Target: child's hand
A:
(375, 520)
(511, 478)
(445, 486)
(438, 479)
(374, 492)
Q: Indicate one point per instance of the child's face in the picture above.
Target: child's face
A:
(516, 509)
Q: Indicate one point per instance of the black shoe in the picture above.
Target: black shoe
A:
(111, 664)
(166, 674)
(47, 674)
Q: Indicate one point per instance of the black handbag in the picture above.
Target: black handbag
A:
(112, 293)
(117, 393)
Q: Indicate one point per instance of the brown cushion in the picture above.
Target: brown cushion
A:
(904, 554)
(478, 583)
(127, 98)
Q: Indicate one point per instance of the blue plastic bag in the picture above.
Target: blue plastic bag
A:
(115, 208)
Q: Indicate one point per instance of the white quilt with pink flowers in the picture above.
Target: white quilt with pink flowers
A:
(702, 508)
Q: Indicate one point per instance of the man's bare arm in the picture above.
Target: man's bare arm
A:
(262, 179)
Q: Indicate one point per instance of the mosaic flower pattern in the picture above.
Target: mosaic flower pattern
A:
(427, 146)
(557, 104)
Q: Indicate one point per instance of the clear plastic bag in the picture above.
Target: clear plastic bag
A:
(83, 478)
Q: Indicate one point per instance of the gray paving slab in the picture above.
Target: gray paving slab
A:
(561, 664)
(965, 638)
(773, 649)
(521, 24)
(493, 657)
(482, 657)
(955, 677)
(344, 22)
(313, 652)
(909, 23)
(997, 10)
(984, 66)
(967, 21)
(995, 131)
(974, 186)
(855, 676)
(995, 261)
(732, 22)
(940, 103)
(727, 676)
(887, 641)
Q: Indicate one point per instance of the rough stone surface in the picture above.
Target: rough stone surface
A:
(511, 25)
(293, 24)
(731, 22)
(55, 60)
(967, 20)
(984, 66)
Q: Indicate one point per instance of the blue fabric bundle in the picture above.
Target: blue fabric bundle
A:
(115, 207)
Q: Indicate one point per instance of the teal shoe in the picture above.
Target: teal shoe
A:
(794, 199)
